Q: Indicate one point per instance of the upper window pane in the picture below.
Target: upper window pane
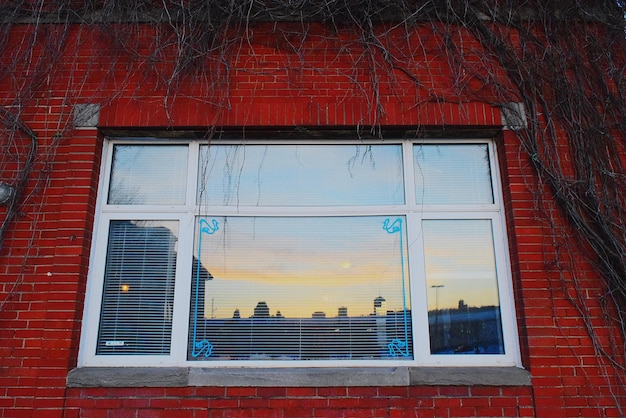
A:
(300, 175)
(148, 175)
(450, 174)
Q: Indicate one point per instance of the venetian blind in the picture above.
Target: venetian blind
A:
(138, 290)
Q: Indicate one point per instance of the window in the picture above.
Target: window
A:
(303, 253)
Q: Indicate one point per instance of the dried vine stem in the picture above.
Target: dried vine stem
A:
(17, 127)
(564, 61)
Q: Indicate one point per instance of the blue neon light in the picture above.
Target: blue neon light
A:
(396, 346)
(203, 346)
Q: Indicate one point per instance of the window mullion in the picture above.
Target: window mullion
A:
(418, 286)
(91, 314)
(496, 180)
(183, 289)
(409, 176)
(192, 174)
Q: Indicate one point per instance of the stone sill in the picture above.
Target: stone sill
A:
(84, 377)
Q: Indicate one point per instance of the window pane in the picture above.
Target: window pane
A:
(300, 288)
(452, 174)
(463, 302)
(301, 175)
(148, 175)
(138, 292)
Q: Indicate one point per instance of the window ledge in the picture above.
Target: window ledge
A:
(296, 377)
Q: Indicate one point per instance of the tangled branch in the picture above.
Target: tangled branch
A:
(565, 62)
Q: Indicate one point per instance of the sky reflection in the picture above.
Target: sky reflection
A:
(300, 265)
(301, 175)
(459, 257)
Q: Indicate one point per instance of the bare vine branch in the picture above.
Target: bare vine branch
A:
(564, 61)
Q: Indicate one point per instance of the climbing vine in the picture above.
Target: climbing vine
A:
(557, 68)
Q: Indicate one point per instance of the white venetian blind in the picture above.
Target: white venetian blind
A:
(452, 174)
(138, 291)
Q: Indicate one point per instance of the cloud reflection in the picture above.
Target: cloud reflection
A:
(297, 263)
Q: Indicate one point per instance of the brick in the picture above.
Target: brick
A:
(302, 392)
(453, 391)
(332, 391)
(210, 392)
(298, 412)
(240, 392)
(223, 403)
(254, 403)
(271, 392)
(424, 391)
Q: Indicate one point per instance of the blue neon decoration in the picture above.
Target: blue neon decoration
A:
(203, 346)
(397, 346)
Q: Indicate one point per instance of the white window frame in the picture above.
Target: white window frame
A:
(186, 215)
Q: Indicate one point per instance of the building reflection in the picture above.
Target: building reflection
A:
(319, 337)
(466, 330)
(461, 330)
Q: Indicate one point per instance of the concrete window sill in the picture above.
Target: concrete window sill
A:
(296, 377)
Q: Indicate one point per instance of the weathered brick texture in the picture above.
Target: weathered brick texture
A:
(45, 259)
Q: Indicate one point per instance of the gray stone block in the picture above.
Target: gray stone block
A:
(86, 115)
(469, 376)
(127, 377)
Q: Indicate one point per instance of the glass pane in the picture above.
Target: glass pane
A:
(148, 175)
(452, 174)
(462, 288)
(138, 293)
(301, 175)
(300, 288)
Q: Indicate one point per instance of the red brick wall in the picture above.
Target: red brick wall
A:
(45, 258)
(418, 402)
(42, 298)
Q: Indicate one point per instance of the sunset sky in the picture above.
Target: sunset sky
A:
(302, 265)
